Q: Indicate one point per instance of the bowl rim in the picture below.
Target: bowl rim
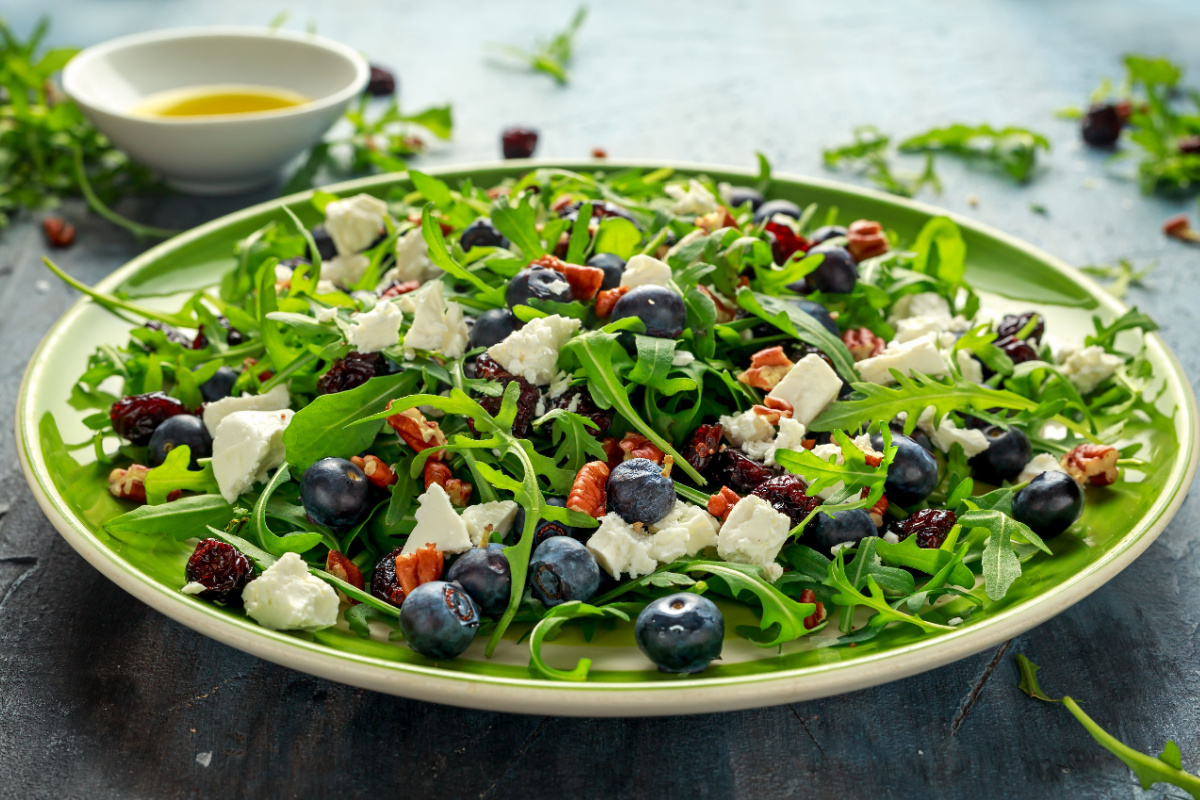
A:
(617, 698)
(78, 65)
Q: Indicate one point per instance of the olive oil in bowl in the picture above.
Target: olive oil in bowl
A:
(218, 100)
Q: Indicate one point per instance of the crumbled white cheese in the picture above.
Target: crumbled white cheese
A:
(1042, 462)
(326, 287)
(746, 427)
(354, 223)
(499, 514)
(539, 407)
(891, 538)
(532, 352)
(833, 450)
(925, 304)
(699, 528)
(193, 587)
(971, 369)
(275, 400)
(437, 524)
(754, 533)
(947, 434)
(695, 198)
(682, 358)
(1089, 367)
(327, 314)
(344, 271)
(620, 549)
(438, 326)
(920, 355)
(283, 276)
(412, 261)
(559, 286)
(837, 548)
(809, 387)
(286, 597)
(954, 621)
(247, 445)
(911, 328)
(559, 385)
(791, 437)
(376, 329)
(1054, 431)
(644, 270)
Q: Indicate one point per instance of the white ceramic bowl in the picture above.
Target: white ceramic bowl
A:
(222, 153)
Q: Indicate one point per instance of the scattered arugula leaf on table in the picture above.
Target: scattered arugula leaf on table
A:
(1122, 276)
(550, 57)
(1013, 149)
(868, 153)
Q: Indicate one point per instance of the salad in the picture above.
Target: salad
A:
(628, 398)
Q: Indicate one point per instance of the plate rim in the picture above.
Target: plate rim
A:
(615, 698)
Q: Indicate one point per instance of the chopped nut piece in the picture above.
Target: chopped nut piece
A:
(863, 344)
(1178, 227)
(584, 281)
(778, 404)
(420, 566)
(607, 299)
(58, 232)
(397, 288)
(416, 431)
(767, 369)
(721, 503)
(612, 449)
(589, 491)
(376, 471)
(812, 621)
(771, 415)
(726, 311)
(341, 567)
(129, 484)
(879, 509)
(1094, 464)
(438, 472)
(635, 445)
(866, 239)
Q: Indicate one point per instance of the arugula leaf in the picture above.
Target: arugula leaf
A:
(180, 519)
(432, 189)
(358, 618)
(115, 304)
(790, 319)
(618, 236)
(267, 539)
(848, 594)
(552, 57)
(1166, 768)
(1011, 148)
(550, 626)
(490, 296)
(572, 434)
(581, 235)
(1000, 563)
(821, 474)
(654, 362)
(930, 561)
(782, 617)
(173, 475)
(1123, 276)
(941, 235)
(519, 224)
(1132, 319)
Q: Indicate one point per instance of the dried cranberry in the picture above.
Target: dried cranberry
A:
(172, 334)
(585, 407)
(1012, 324)
(802, 349)
(600, 210)
(1101, 125)
(786, 494)
(487, 368)
(739, 472)
(704, 444)
(1019, 350)
(519, 142)
(930, 525)
(350, 372)
(384, 583)
(382, 83)
(222, 569)
(135, 417)
(786, 241)
(1189, 145)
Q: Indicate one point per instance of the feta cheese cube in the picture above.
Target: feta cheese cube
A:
(484, 519)
(1089, 367)
(619, 549)
(746, 427)
(920, 355)
(912, 328)
(275, 400)
(695, 198)
(1042, 462)
(412, 261)
(286, 597)
(947, 434)
(375, 330)
(809, 387)
(691, 524)
(438, 524)
(791, 437)
(644, 270)
(971, 369)
(925, 304)
(438, 326)
(532, 352)
(754, 533)
(355, 222)
(248, 444)
(343, 271)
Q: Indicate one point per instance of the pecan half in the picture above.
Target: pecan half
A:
(862, 343)
(726, 311)
(878, 510)
(589, 491)
(634, 445)
(813, 620)
(129, 484)
(584, 281)
(1094, 464)
(714, 220)
(767, 368)
(1178, 227)
(607, 299)
(771, 415)
(458, 490)
(416, 431)
(376, 471)
(339, 566)
(58, 232)
(866, 239)
(722, 502)
(778, 404)
(612, 450)
(397, 288)
(420, 566)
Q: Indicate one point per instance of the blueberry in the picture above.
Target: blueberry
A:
(772, 207)
(561, 569)
(740, 195)
(837, 273)
(827, 232)
(539, 282)
(917, 436)
(219, 385)
(546, 528)
(639, 492)
(913, 473)
(826, 531)
(439, 620)
(818, 312)
(334, 492)
(1007, 454)
(179, 430)
(484, 574)
(681, 632)
(613, 266)
(481, 233)
(324, 242)
(659, 308)
(1049, 504)
(491, 327)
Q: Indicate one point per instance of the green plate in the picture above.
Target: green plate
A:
(1119, 522)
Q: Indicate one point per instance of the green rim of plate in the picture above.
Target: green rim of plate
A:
(1057, 284)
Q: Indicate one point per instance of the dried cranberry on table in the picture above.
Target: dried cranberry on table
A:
(1101, 125)
(382, 82)
(350, 372)
(788, 494)
(135, 417)
(518, 142)
(58, 232)
(578, 400)
(930, 525)
(703, 446)
(738, 471)
(221, 569)
(1012, 324)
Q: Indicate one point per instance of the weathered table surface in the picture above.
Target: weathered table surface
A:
(100, 696)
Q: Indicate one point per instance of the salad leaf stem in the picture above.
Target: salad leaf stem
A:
(115, 303)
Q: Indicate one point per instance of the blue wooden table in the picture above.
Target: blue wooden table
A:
(102, 697)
